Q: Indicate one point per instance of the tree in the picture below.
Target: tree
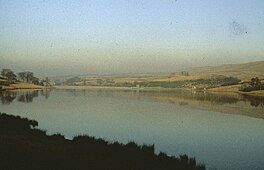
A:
(27, 76)
(185, 73)
(35, 80)
(22, 76)
(255, 82)
(9, 74)
(73, 80)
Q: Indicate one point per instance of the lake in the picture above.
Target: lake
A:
(224, 131)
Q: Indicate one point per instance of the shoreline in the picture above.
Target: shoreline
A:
(259, 93)
(119, 88)
(235, 89)
(21, 86)
(220, 90)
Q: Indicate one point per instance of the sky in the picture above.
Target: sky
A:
(128, 36)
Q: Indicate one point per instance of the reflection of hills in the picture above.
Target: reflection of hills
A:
(181, 95)
(203, 97)
(231, 103)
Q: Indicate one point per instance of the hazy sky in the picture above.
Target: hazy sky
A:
(120, 36)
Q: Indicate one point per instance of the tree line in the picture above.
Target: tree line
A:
(25, 76)
(254, 84)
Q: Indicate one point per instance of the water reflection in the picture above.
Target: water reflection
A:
(45, 93)
(7, 98)
(232, 103)
(27, 96)
(178, 96)
(24, 96)
(255, 101)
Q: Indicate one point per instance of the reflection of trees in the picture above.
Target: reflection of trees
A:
(7, 98)
(219, 98)
(215, 98)
(198, 96)
(96, 92)
(45, 93)
(27, 97)
(255, 101)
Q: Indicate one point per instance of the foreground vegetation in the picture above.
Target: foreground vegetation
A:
(22, 146)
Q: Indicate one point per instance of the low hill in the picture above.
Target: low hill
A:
(195, 78)
(244, 71)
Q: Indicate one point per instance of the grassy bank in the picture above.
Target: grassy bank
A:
(22, 146)
(235, 89)
(25, 86)
(21, 85)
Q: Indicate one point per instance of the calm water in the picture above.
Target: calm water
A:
(223, 131)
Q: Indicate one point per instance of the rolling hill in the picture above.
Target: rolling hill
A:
(244, 71)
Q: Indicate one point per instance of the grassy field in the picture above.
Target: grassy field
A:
(232, 88)
(22, 85)
(244, 71)
(254, 93)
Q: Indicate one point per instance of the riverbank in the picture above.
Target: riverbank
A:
(23, 146)
(223, 89)
(235, 89)
(67, 87)
(21, 85)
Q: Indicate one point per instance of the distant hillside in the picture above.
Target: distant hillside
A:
(200, 77)
(244, 71)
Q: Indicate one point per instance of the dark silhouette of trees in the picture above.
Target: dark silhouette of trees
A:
(73, 80)
(22, 76)
(28, 76)
(35, 80)
(22, 146)
(254, 84)
(185, 73)
(9, 74)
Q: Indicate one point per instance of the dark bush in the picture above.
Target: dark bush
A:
(24, 147)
